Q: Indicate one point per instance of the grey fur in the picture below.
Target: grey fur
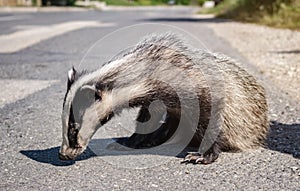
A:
(230, 101)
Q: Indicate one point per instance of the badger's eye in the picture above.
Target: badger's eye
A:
(97, 97)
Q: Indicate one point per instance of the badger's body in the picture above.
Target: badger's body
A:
(217, 100)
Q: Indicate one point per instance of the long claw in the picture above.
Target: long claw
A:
(185, 161)
(197, 158)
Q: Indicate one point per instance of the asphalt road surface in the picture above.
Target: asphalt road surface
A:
(36, 51)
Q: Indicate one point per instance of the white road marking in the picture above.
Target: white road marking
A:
(14, 90)
(14, 17)
(19, 40)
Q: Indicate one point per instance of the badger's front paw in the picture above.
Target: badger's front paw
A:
(71, 153)
(197, 158)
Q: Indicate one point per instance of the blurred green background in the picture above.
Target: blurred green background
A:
(276, 13)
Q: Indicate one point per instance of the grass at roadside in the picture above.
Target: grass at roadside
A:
(276, 13)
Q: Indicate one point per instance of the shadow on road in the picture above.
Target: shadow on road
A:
(295, 51)
(99, 147)
(50, 156)
(284, 138)
(186, 19)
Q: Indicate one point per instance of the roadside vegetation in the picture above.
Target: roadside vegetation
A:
(276, 13)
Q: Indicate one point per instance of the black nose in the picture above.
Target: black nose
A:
(63, 157)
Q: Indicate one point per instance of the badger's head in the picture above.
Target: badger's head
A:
(83, 113)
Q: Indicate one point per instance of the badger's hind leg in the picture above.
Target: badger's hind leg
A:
(207, 157)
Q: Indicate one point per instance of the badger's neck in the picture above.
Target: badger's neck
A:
(123, 84)
(129, 96)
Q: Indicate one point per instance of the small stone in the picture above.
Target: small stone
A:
(294, 168)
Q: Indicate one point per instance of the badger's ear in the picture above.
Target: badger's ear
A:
(97, 92)
(71, 77)
(89, 87)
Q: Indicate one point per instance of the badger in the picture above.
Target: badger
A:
(217, 104)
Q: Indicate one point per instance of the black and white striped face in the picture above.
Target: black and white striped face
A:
(91, 101)
(78, 111)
